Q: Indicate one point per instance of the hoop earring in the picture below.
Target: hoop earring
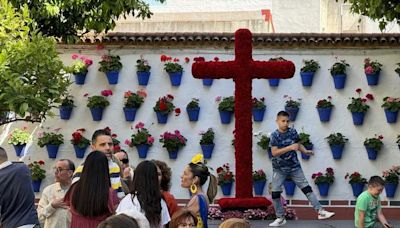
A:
(193, 188)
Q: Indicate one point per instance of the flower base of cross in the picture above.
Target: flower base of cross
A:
(243, 203)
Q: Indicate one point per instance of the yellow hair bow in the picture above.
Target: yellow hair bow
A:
(197, 158)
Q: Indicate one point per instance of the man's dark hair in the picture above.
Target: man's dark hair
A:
(282, 113)
(98, 133)
(376, 181)
(71, 165)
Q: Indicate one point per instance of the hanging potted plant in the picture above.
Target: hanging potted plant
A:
(323, 181)
(307, 71)
(304, 139)
(397, 70)
(226, 107)
(336, 142)
(358, 107)
(37, 174)
(163, 107)
(373, 146)
(338, 72)
(372, 71)
(258, 109)
(19, 138)
(206, 81)
(225, 179)
(391, 177)
(142, 140)
(79, 68)
(80, 142)
(193, 110)
(52, 141)
(357, 183)
(111, 65)
(274, 82)
(292, 107)
(133, 101)
(173, 68)
(173, 142)
(263, 142)
(207, 142)
(391, 106)
(97, 104)
(143, 71)
(259, 181)
(324, 108)
(67, 104)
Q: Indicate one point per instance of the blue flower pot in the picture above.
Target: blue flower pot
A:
(269, 152)
(324, 114)
(65, 112)
(207, 81)
(97, 113)
(305, 156)
(226, 117)
(80, 78)
(323, 189)
(142, 150)
(112, 77)
(373, 79)
(391, 117)
(259, 187)
(290, 186)
(339, 80)
(52, 150)
(36, 185)
(357, 188)
(207, 150)
(173, 154)
(80, 152)
(292, 113)
(19, 149)
(358, 118)
(258, 114)
(273, 82)
(226, 189)
(390, 189)
(143, 78)
(193, 114)
(307, 78)
(130, 114)
(337, 151)
(161, 117)
(175, 78)
(372, 153)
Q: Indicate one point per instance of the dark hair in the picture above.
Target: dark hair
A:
(166, 175)
(375, 181)
(146, 188)
(117, 221)
(180, 216)
(98, 133)
(201, 170)
(90, 194)
(282, 113)
(71, 165)
(3, 154)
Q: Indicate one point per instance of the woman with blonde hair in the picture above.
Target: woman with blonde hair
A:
(235, 223)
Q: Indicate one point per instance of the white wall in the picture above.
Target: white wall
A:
(354, 158)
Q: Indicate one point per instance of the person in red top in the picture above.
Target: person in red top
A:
(91, 199)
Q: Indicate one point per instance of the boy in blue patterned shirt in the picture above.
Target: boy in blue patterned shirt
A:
(284, 143)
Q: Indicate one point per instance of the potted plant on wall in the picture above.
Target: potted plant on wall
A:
(263, 142)
(133, 101)
(80, 142)
(37, 174)
(307, 71)
(143, 71)
(397, 70)
(290, 186)
(173, 68)
(324, 108)
(111, 65)
(323, 181)
(225, 179)
(274, 82)
(372, 71)
(373, 146)
(357, 183)
(19, 138)
(304, 139)
(336, 142)
(338, 72)
(207, 142)
(79, 68)
(259, 181)
(193, 110)
(173, 142)
(142, 140)
(226, 107)
(97, 104)
(391, 177)
(358, 107)
(292, 107)
(258, 109)
(163, 107)
(52, 141)
(67, 104)
(391, 106)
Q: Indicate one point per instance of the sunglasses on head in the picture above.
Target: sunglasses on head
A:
(125, 161)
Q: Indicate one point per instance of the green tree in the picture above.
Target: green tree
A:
(70, 18)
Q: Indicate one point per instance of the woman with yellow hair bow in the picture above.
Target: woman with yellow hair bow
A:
(194, 177)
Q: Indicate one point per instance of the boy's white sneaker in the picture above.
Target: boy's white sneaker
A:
(322, 214)
(278, 222)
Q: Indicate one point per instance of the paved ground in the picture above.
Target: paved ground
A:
(305, 224)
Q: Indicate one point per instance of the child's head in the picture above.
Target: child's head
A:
(375, 185)
(235, 223)
(183, 219)
(121, 220)
(282, 119)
